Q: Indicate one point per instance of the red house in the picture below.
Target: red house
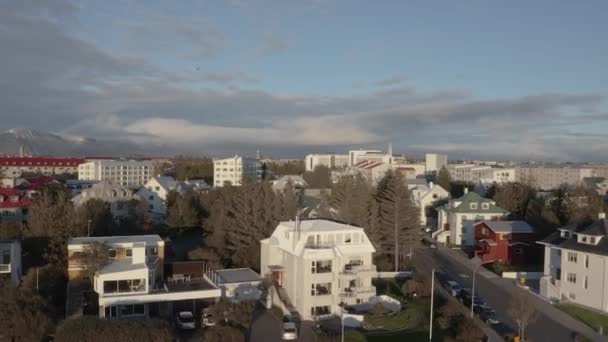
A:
(507, 242)
(14, 207)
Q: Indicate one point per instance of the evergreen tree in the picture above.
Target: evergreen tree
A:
(319, 178)
(444, 179)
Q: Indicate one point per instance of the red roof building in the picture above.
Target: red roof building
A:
(14, 207)
(15, 166)
(506, 242)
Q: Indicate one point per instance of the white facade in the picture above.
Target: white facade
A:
(233, 170)
(155, 192)
(426, 196)
(116, 195)
(129, 173)
(457, 218)
(133, 278)
(320, 264)
(10, 261)
(434, 161)
(358, 156)
(332, 161)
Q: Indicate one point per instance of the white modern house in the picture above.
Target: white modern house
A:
(425, 196)
(576, 265)
(132, 282)
(329, 160)
(296, 180)
(457, 217)
(116, 195)
(155, 192)
(10, 261)
(233, 170)
(319, 264)
(238, 284)
(128, 173)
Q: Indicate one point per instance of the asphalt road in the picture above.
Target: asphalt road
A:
(543, 328)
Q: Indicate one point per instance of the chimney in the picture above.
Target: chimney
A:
(431, 185)
(601, 216)
(466, 190)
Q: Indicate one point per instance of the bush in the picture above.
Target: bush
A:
(93, 329)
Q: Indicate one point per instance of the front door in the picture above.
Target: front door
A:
(111, 312)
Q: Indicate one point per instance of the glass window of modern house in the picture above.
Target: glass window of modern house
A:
(129, 252)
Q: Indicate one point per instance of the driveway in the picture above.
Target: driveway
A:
(266, 327)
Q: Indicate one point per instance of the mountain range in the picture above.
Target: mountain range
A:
(40, 143)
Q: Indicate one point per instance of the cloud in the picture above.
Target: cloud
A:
(391, 81)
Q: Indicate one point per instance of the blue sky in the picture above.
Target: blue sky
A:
(289, 77)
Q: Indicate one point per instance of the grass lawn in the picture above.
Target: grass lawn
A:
(591, 318)
(277, 312)
(498, 268)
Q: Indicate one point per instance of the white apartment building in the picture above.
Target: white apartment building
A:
(129, 173)
(576, 265)
(472, 173)
(357, 156)
(132, 283)
(10, 261)
(320, 264)
(457, 217)
(434, 161)
(234, 170)
(15, 166)
(425, 197)
(155, 192)
(332, 161)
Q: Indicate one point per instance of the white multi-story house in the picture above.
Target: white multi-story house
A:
(132, 282)
(434, 162)
(425, 197)
(457, 217)
(233, 170)
(155, 192)
(10, 261)
(320, 264)
(576, 265)
(116, 195)
(130, 173)
(332, 161)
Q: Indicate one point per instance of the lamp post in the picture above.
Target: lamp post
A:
(432, 296)
(473, 290)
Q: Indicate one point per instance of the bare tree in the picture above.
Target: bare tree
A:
(521, 311)
(95, 256)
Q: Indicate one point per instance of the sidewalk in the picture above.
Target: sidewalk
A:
(540, 304)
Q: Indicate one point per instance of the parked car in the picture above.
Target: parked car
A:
(465, 297)
(453, 288)
(207, 320)
(185, 320)
(290, 332)
(428, 243)
(486, 314)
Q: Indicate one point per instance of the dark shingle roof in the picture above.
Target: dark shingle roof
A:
(596, 228)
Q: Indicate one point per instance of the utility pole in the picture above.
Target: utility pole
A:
(432, 297)
(396, 245)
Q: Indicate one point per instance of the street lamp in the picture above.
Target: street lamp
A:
(432, 296)
(473, 290)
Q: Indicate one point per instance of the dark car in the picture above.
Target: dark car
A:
(486, 314)
(465, 297)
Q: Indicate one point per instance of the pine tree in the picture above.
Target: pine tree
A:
(444, 179)
(399, 218)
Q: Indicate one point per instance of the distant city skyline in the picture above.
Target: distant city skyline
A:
(519, 80)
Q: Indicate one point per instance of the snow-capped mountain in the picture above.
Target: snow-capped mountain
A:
(45, 143)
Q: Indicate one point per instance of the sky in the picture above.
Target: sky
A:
(479, 79)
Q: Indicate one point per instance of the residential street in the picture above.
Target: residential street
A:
(550, 325)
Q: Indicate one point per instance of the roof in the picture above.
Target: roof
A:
(115, 239)
(368, 164)
(508, 226)
(105, 190)
(237, 275)
(40, 161)
(473, 197)
(318, 226)
(23, 202)
(571, 243)
(123, 265)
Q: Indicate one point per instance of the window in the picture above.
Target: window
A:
(319, 310)
(485, 206)
(153, 251)
(586, 261)
(122, 286)
(473, 205)
(565, 234)
(321, 266)
(518, 251)
(129, 252)
(583, 239)
(112, 253)
(133, 310)
(572, 296)
(586, 284)
(320, 289)
(572, 257)
(571, 278)
(592, 240)
(347, 238)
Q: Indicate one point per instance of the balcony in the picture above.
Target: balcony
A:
(319, 245)
(5, 268)
(358, 291)
(358, 270)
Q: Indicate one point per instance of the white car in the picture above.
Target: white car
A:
(290, 332)
(185, 320)
(453, 288)
(208, 320)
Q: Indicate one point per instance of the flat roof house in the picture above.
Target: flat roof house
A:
(131, 281)
(319, 264)
(10, 261)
